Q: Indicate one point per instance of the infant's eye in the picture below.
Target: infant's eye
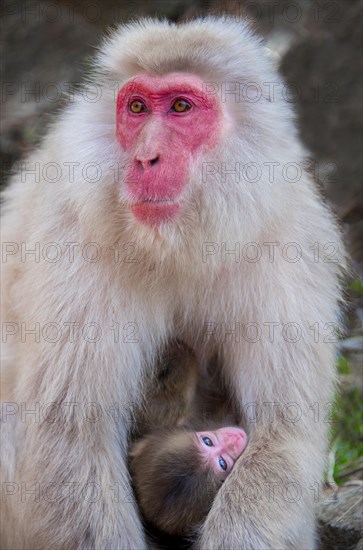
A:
(138, 106)
(223, 464)
(181, 105)
(207, 441)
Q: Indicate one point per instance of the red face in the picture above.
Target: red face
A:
(221, 448)
(162, 122)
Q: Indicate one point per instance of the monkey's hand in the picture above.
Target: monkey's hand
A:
(265, 503)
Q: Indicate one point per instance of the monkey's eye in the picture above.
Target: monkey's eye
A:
(180, 105)
(207, 441)
(137, 106)
(223, 464)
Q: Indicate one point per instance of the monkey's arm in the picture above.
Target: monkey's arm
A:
(72, 463)
(74, 455)
(282, 381)
(267, 501)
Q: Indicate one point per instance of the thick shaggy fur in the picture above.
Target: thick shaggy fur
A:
(169, 292)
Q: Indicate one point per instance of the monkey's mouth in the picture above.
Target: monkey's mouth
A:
(153, 212)
(157, 201)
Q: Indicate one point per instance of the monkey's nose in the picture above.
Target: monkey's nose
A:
(148, 163)
(236, 442)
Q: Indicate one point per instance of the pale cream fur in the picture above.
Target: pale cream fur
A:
(170, 292)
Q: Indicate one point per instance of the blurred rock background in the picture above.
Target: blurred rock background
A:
(45, 48)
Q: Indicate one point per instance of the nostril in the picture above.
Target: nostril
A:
(145, 164)
(154, 161)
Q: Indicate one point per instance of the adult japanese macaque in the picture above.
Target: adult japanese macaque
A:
(176, 205)
(178, 472)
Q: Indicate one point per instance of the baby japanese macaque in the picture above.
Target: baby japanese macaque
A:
(178, 472)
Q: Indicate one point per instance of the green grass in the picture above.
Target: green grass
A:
(346, 454)
(347, 434)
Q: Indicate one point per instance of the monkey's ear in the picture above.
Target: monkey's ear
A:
(138, 448)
